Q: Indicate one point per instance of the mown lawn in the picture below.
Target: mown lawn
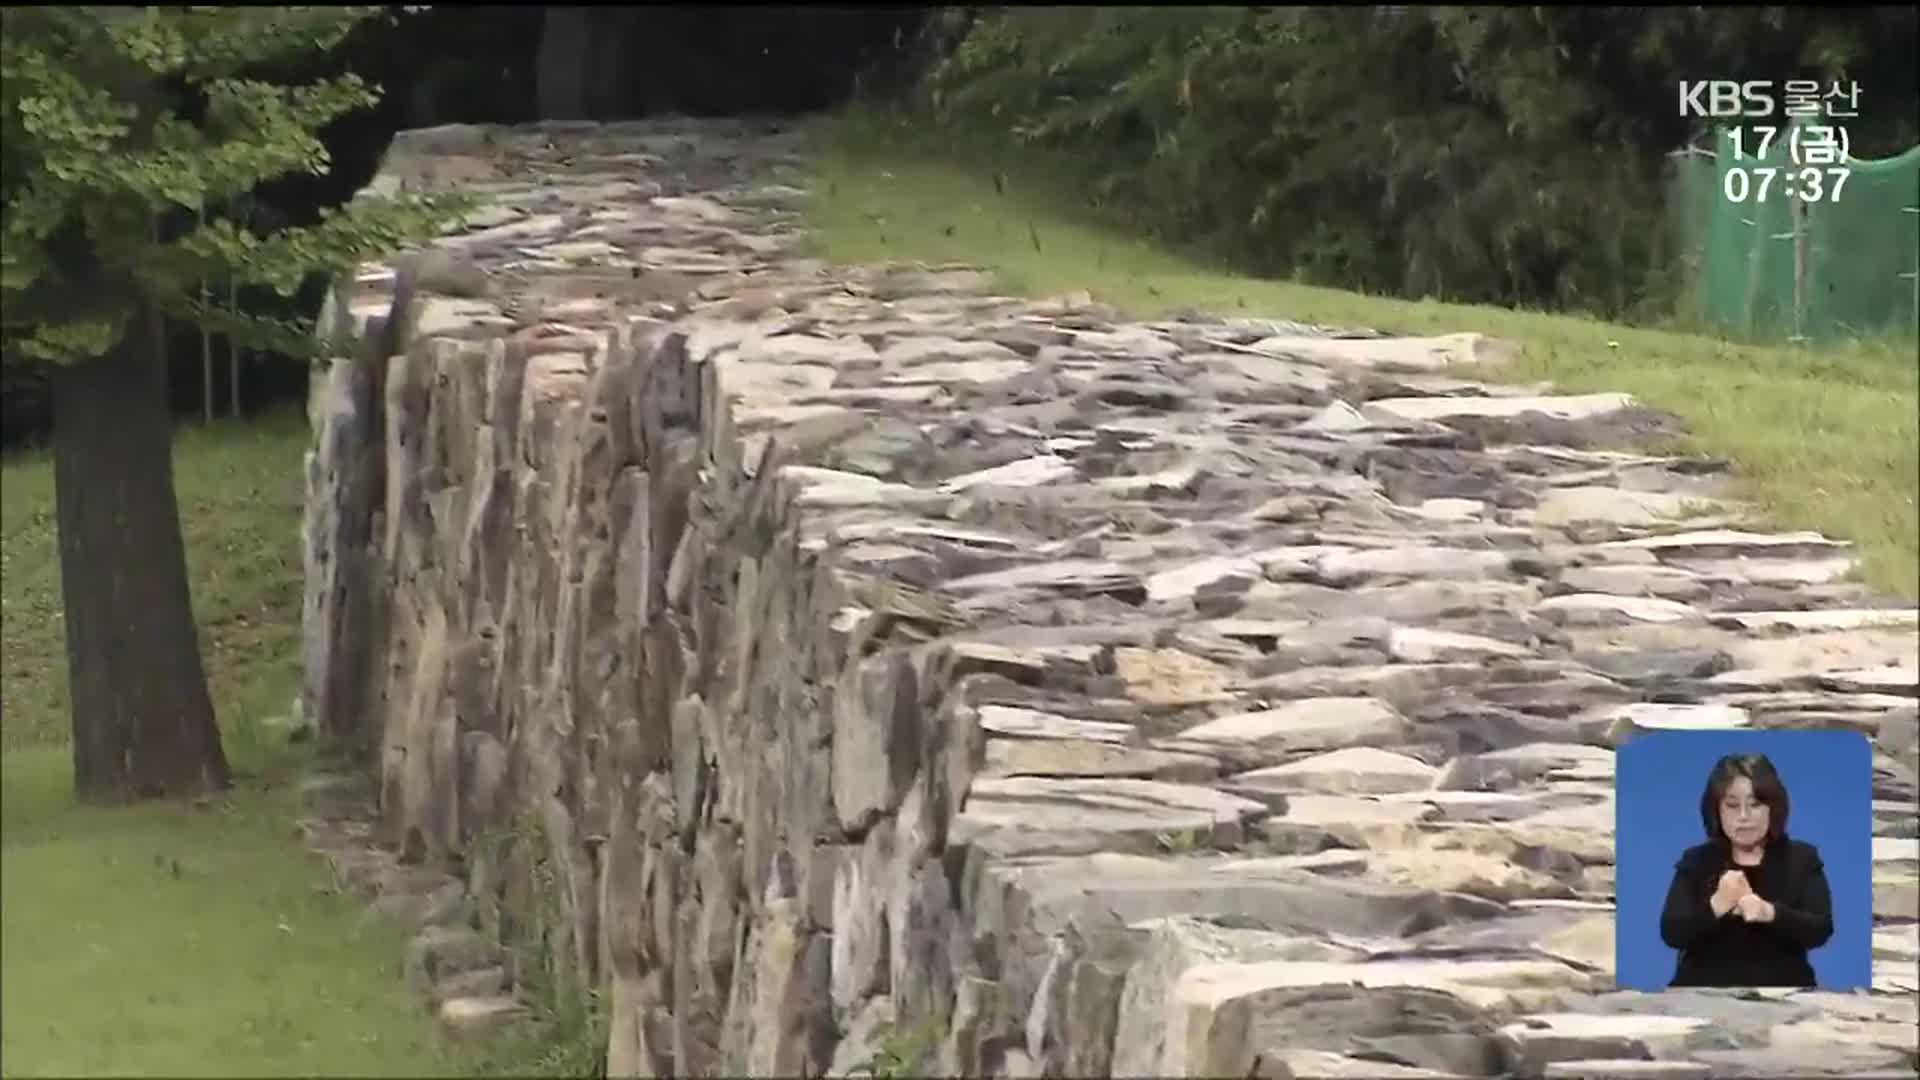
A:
(1824, 438)
(173, 939)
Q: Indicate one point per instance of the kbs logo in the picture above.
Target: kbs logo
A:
(1721, 98)
(1724, 97)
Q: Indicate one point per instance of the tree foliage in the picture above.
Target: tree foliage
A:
(1514, 155)
(120, 127)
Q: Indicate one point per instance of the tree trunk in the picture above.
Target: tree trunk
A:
(560, 68)
(206, 366)
(234, 352)
(143, 723)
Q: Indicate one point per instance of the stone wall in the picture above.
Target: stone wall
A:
(830, 665)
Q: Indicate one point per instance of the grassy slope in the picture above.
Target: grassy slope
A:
(241, 963)
(1822, 438)
(240, 495)
(238, 965)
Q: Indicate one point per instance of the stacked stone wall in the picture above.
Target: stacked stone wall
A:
(826, 666)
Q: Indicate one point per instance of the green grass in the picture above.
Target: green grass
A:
(1823, 438)
(240, 492)
(241, 963)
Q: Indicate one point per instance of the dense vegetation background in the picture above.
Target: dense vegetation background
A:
(1509, 155)
(481, 64)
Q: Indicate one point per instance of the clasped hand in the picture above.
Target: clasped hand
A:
(1736, 895)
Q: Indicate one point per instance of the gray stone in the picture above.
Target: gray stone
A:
(1600, 609)
(875, 744)
(1290, 1064)
(1532, 1043)
(1578, 407)
(1174, 947)
(1892, 679)
(1311, 724)
(1073, 576)
(1730, 544)
(1773, 571)
(1033, 724)
(444, 952)
(1183, 582)
(1219, 1017)
(1347, 567)
(1414, 645)
(879, 666)
(1031, 814)
(1626, 1069)
(1074, 757)
(1853, 1062)
(1663, 582)
(916, 351)
(1613, 506)
(1619, 724)
(1388, 354)
(1804, 621)
(1026, 472)
(856, 1052)
(465, 1015)
(1655, 666)
(1348, 821)
(860, 921)
(1353, 771)
(1524, 764)
(484, 982)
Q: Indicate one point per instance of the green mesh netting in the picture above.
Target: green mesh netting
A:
(1858, 259)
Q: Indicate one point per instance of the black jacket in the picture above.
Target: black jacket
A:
(1729, 951)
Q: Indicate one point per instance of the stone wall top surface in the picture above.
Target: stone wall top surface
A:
(1292, 661)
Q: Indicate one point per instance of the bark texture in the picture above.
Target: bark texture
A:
(143, 723)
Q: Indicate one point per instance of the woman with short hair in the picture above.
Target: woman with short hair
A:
(1746, 907)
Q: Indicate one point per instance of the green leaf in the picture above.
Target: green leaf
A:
(94, 153)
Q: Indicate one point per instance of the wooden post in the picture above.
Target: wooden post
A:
(1800, 220)
(1915, 274)
(1799, 214)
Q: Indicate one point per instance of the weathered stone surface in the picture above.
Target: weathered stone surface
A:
(1447, 408)
(1074, 757)
(1354, 771)
(1601, 609)
(1626, 1069)
(848, 669)
(469, 1014)
(1415, 645)
(1532, 1043)
(1170, 676)
(443, 953)
(1288, 1064)
(1030, 814)
(1663, 582)
(1619, 724)
(1613, 506)
(1220, 1016)
(1352, 567)
(1313, 823)
(1312, 724)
